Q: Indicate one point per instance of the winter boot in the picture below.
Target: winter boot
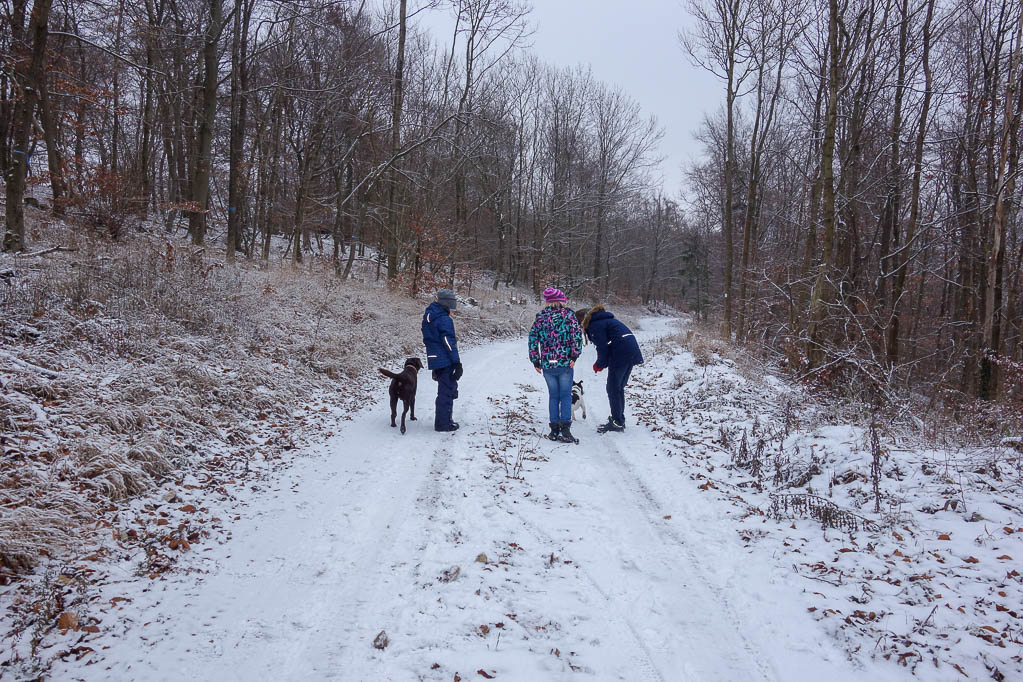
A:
(611, 425)
(566, 433)
(555, 431)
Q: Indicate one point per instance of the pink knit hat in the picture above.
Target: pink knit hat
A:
(552, 295)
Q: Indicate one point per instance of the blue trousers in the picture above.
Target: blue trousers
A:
(447, 391)
(559, 391)
(617, 377)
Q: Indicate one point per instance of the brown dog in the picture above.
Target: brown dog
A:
(403, 387)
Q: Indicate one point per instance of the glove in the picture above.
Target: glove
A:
(457, 374)
(436, 374)
(596, 369)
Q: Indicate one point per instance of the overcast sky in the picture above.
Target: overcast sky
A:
(634, 44)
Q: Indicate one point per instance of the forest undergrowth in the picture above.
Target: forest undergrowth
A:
(898, 525)
(138, 369)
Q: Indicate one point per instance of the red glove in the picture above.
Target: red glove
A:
(597, 369)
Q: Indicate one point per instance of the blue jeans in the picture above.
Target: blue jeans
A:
(617, 377)
(559, 389)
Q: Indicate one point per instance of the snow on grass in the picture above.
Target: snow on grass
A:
(923, 573)
(148, 371)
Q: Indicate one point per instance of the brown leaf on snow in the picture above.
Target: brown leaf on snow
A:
(381, 641)
(1005, 557)
(67, 621)
(972, 560)
(188, 508)
(944, 536)
(485, 629)
(484, 673)
(896, 535)
(90, 628)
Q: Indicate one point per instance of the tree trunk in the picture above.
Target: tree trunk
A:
(204, 142)
(399, 94)
(31, 80)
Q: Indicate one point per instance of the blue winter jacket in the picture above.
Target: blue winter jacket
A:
(616, 345)
(439, 337)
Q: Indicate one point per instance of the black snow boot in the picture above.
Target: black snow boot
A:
(566, 433)
(555, 431)
(611, 425)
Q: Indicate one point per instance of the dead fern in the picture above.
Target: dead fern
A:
(829, 514)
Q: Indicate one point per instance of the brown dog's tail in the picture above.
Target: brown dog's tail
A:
(389, 374)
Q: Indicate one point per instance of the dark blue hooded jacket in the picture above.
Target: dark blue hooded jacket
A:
(615, 343)
(439, 337)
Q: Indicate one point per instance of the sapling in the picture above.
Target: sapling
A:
(875, 466)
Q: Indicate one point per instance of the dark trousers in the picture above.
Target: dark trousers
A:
(617, 377)
(447, 391)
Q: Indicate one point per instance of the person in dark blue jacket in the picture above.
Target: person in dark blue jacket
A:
(442, 356)
(618, 352)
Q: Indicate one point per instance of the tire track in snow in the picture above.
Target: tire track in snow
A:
(366, 600)
(644, 661)
(655, 514)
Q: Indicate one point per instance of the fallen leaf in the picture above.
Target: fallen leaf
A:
(483, 672)
(67, 621)
(972, 560)
(188, 508)
(944, 536)
(1005, 557)
(381, 641)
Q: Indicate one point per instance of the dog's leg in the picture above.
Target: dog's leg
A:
(403, 413)
(394, 409)
(412, 408)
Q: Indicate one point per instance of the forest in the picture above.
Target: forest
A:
(855, 210)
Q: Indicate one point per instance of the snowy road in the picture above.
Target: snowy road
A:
(601, 560)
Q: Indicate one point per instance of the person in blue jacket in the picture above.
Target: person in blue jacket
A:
(618, 352)
(442, 356)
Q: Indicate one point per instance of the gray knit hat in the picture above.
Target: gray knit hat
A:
(447, 299)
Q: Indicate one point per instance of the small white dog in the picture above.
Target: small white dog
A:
(577, 399)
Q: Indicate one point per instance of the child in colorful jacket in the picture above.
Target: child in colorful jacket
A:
(555, 341)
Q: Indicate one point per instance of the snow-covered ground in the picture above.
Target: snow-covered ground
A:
(494, 553)
(488, 552)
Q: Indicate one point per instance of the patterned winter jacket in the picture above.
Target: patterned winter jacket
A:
(555, 339)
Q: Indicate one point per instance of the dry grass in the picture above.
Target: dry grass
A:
(127, 364)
